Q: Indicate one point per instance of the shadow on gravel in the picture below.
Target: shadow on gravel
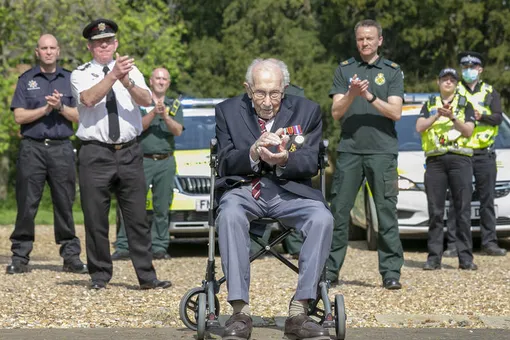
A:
(74, 283)
(420, 264)
(50, 267)
(191, 248)
(86, 283)
(354, 283)
(4, 259)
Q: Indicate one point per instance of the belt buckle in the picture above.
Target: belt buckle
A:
(47, 141)
(155, 157)
(117, 146)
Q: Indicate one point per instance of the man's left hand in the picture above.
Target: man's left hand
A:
(279, 158)
(477, 115)
(445, 112)
(160, 108)
(54, 100)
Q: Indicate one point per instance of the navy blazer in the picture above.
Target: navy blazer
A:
(237, 129)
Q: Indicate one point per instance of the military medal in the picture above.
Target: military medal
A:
(292, 130)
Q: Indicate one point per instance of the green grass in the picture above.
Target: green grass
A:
(44, 216)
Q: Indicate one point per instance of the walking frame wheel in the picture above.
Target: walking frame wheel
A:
(189, 307)
(340, 317)
(202, 298)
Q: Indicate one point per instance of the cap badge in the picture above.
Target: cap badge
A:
(379, 79)
(101, 26)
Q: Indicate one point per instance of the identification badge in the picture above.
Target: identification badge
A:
(453, 135)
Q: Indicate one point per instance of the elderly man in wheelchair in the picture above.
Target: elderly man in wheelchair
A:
(268, 146)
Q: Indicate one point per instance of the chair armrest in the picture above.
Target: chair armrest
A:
(213, 147)
(323, 154)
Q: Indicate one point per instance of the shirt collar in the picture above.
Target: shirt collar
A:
(38, 71)
(376, 63)
(477, 88)
(110, 64)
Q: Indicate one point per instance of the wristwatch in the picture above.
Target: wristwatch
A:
(131, 84)
(373, 98)
(453, 119)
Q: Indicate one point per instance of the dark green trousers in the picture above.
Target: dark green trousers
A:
(159, 173)
(380, 170)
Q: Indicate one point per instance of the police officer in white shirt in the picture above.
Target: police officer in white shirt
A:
(109, 93)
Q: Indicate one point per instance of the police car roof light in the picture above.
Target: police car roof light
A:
(201, 102)
(410, 98)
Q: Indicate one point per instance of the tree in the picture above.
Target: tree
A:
(146, 31)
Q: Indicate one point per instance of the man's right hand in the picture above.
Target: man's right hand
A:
(123, 65)
(357, 86)
(267, 139)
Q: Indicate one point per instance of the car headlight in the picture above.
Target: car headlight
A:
(407, 184)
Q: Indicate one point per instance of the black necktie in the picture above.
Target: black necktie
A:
(113, 114)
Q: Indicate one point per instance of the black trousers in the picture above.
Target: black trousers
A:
(456, 172)
(103, 170)
(38, 162)
(485, 172)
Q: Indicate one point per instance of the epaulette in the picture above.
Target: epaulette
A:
(347, 62)
(391, 64)
(83, 67)
(21, 75)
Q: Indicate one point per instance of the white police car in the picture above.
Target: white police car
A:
(412, 208)
(189, 209)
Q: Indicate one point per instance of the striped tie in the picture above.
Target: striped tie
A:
(256, 186)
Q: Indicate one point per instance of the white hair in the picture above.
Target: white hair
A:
(267, 64)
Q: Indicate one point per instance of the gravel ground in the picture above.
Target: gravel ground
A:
(48, 298)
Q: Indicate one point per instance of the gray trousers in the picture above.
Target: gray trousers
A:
(237, 208)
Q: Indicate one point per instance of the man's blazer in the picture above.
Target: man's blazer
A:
(237, 128)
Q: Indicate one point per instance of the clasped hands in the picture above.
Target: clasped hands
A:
(359, 87)
(160, 109)
(259, 149)
(445, 111)
(53, 101)
(123, 65)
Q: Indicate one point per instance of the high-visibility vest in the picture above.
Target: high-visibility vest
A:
(484, 134)
(441, 137)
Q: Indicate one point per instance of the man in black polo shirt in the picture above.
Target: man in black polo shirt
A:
(44, 107)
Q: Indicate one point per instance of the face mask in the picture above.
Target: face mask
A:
(469, 75)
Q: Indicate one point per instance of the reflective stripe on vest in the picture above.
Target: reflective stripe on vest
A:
(484, 134)
(440, 137)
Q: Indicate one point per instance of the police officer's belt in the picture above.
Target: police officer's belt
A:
(48, 141)
(158, 156)
(484, 151)
(111, 146)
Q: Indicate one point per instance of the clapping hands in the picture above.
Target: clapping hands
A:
(269, 139)
(445, 111)
(123, 65)
(54, 101)
(160, 108)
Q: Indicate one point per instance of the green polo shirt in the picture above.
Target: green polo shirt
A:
(364, 129)
(157, 138)
(295, 90)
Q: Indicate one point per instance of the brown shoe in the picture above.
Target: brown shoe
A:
(303, 327)
(238, 327)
